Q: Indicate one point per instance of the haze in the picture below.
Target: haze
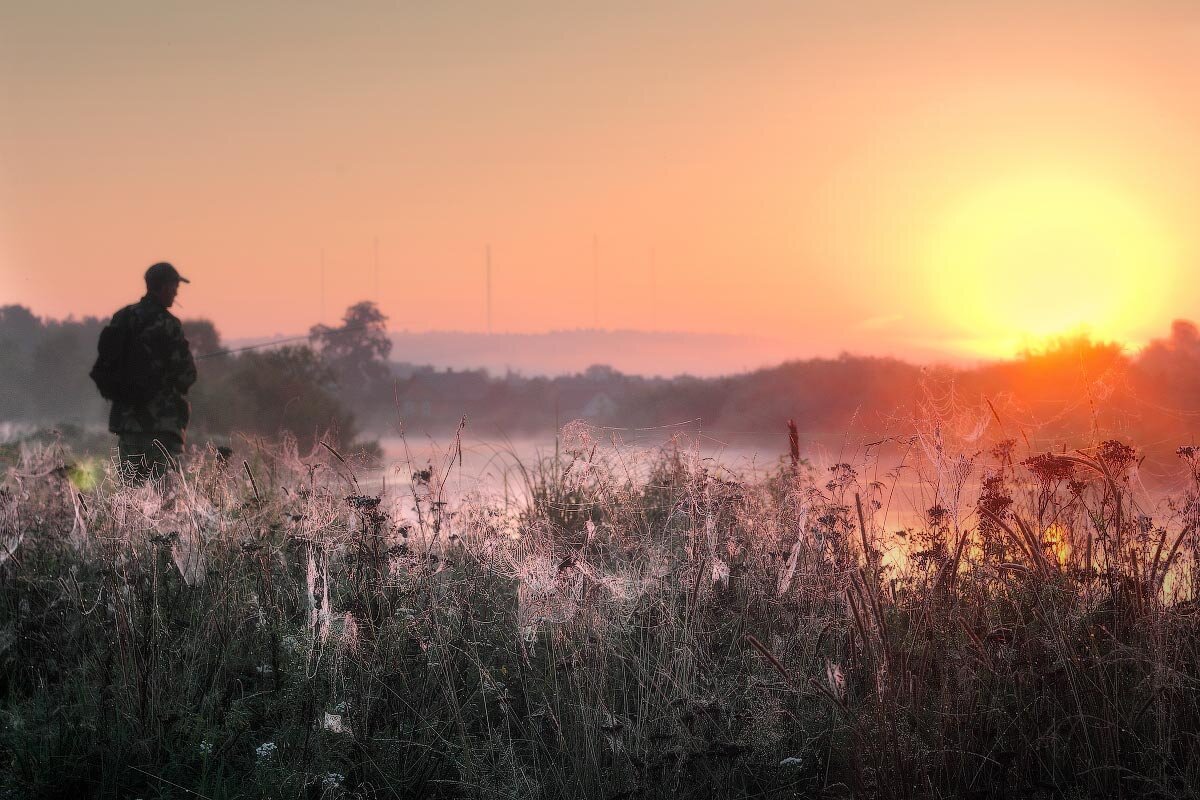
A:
(910, 179)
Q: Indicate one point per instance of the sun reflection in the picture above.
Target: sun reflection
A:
(1057, 540)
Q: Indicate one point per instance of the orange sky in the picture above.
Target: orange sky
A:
(903, 178)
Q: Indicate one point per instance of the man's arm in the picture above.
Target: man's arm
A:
(183, 365)
(178, 368)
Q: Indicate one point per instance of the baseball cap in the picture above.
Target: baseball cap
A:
(163, 272)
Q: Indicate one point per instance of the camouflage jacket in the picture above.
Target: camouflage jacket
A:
(172, 366)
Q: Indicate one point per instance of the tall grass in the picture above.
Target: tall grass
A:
(643, 626)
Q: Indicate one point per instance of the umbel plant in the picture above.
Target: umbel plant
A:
(641, 625)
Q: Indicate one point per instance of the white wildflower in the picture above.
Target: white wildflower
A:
(334, 723)
(266, 751)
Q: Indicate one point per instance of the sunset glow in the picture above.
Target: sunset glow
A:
(1031, 257)
(924, 180)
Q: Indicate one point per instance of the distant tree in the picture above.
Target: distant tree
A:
(1182, 344)
(1169, 369)
(20, 332)
(59, 382)
(357, 353)
(601, 372)
(288, 390)
(19, 329)
(358, 349)
(44, 364)
(202, 336)
(209, 396)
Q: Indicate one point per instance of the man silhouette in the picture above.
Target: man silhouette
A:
(150, 414)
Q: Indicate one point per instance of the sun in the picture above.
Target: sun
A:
(1030, 257)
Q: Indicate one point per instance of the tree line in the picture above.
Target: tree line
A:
(343, 380)
(313, 390)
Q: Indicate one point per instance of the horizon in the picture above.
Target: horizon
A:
(464, 349)
(705, 364)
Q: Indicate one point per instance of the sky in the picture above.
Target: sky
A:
(894, 178)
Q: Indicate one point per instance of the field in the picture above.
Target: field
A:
(638, 625)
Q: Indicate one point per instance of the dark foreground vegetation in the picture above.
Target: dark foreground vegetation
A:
(637, 628)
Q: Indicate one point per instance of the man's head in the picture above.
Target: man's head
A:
(162, 282)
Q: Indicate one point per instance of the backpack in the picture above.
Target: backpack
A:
(122, 371)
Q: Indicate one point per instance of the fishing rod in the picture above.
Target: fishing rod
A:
(274, 342)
